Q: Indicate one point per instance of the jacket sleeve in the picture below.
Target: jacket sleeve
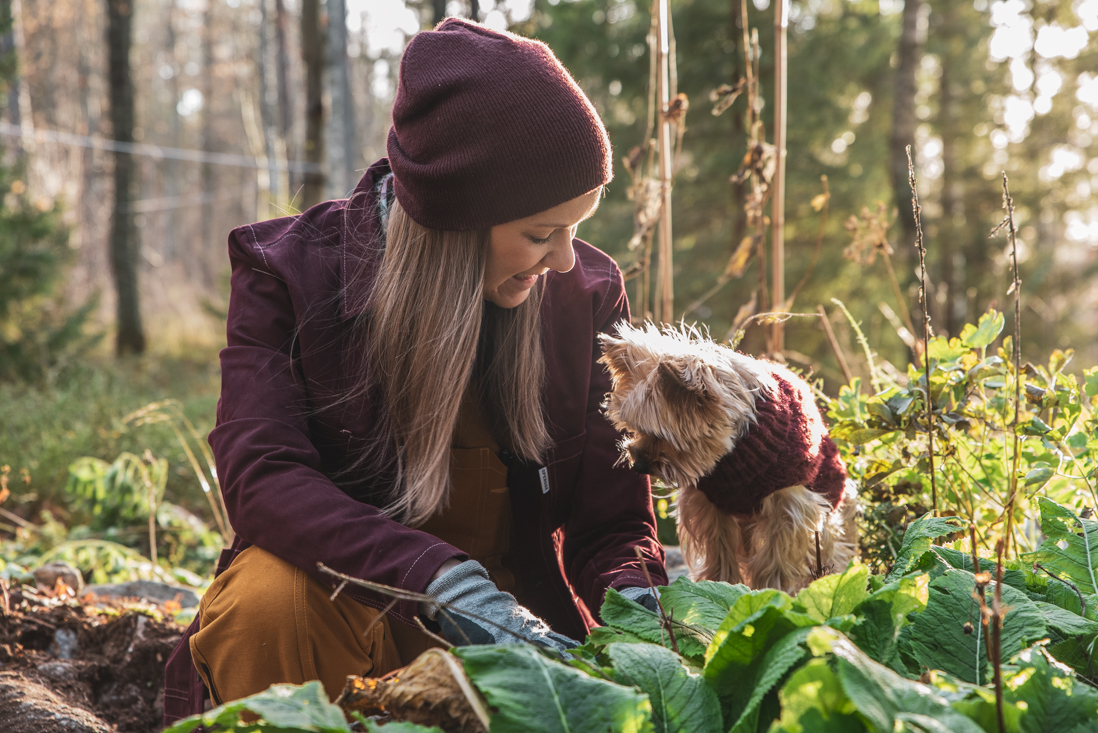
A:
(275, 492)
(611, 512)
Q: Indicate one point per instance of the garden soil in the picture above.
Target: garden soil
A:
(66, 666)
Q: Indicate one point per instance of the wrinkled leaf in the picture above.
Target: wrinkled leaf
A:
(1054, 700)
(883, 697)
(938, 640)
(1070, 548)
(401, 727)
(681, 700)
(918, 538)
(299, 708)
(981, 336)
(835, 595)
(779, 659)
(529, 693)
(1066, 623)
(813, 701)
(622, 614)
(704, 603)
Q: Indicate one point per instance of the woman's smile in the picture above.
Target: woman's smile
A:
(521, 251)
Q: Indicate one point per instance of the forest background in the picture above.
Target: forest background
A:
(137, 133)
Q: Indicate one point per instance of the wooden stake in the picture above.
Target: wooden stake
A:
(665, 284)
(781, 26)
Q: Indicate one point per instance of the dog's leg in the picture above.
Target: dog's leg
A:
(709, 538)
(783, 540)
(839, 534)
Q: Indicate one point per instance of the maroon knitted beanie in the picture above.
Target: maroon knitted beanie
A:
(787, 446)
(489, 127)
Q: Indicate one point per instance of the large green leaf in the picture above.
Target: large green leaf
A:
(681, 700)
(883, 614)
(757, 622)
(813, 701)
(885, 699)
(704, 603)
(981, 336)
(779, 659)
(400, 727)
(281, 709)
(835, 595)
(530, 693)
(938, 640)
(618, 612)
(1054, 699)
(1070, 548)
(1066, 623)
(918, 538)
(963, 561)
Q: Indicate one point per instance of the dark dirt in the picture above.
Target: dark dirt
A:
(66, 667)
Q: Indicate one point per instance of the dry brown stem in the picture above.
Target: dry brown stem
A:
(921, 247)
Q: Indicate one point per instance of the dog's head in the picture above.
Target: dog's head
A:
(682, 399)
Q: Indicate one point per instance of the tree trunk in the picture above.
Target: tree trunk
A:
(285, 100)
(124, 244)
(312, 50)
(267, 112)
(440, 10)
(474, 10)
(171, 166)
(343, 153)
(903, 122)
(209, 143)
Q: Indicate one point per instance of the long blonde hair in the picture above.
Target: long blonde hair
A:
(427, 337)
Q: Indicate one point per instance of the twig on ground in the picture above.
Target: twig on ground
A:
(917, 210)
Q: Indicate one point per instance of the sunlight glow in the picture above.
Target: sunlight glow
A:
(1013, 36)
(1053, 40)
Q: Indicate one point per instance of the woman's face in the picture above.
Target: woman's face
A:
(521, 251)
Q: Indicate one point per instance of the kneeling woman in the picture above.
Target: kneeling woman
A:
(411, 393)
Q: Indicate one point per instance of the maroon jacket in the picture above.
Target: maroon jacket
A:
(297, 284)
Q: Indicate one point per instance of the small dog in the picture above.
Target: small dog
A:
(762, 490)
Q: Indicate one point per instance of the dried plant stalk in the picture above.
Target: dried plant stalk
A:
(921, 247)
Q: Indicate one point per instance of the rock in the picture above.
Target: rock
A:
(64, 644)
(146, 590)
(28, 707)
(46, 577)
(676, 566)
(60, 671)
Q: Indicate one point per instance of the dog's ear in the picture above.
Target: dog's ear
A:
(677, 387)
(613, 353)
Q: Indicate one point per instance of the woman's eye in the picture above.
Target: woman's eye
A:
(536, 240)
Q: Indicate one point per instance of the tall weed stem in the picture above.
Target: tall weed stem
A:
(917, 210)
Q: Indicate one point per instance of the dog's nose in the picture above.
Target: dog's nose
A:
(641, 465)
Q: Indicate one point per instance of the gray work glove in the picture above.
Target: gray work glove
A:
(644, 596)
(468, 588)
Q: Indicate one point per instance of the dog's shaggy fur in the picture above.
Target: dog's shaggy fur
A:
(685, 402)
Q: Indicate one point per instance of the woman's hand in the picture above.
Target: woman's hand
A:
(477, 612)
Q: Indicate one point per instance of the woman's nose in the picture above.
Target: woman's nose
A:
(561, 257)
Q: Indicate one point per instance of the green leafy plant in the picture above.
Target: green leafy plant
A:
(853, 651)
(884, 440)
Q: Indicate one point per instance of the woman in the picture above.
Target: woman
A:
(411, 393)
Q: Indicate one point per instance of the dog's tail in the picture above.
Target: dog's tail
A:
(709, 538)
